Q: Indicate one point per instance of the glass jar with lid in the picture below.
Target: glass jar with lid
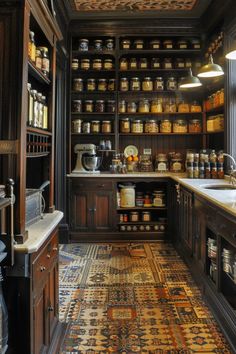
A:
(168, 44)
(125, 125)
(97, 64)
(151, 126)
(100, 106)
(171, 84)
(106, 126)
(144, 106)
(195, 126)
(111, 84)
(176, 163)
(83, 44)
(134, 216)
(132, 107)
(95, 126)
(167, 63)
(91, 85)
(124, 84)
(158, 84)
(155, 44)
(161, 163)
(135, 84)
(183, 107)
(195, 107)
(125, 43)
(138, 44)
(165, 126)
(102, 85)
(136, 126)
(147, 84)
(31, 47)
(78, 84)
(109, 43)
(45, 61)
(188, 63)
(98, 43)
(85, 64)
(111, 106)
(156, 106)
(86, 126)
(196, 43)
(88, 106)
(77, 106)
(180, 126)
(143, 63)
(74, 64)
(77, 125)
(122, 106)
(155, 63)
(170, 106)
(146, 216)
(179, 63)
(108, 64)
(182, 44)
(39, 59)
(124, 64)
(133, 63)
(158, 198)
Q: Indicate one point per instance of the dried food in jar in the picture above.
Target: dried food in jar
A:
(45, 61)
(171, 84)
(177, 164)
(143, 63)
(85, 64)
(100, 106)
(151, 126)
(167, 63)
(219, 122)
(108, 64)
(165, 126)
(109, 43)
(134, 216)
(139, 199)
(147, 84)
(31, 47)
(106, 126)
(182, 44)
(77, 106)
(133, 64)
(74, 64)
(78, 84)
(180, 63)
(155, 63)
(98, 43)
(188, 63)
(111, 84)
(158, 84)
(180, 126)
(170, 106)
(138, 44)
(132, 107)
(195, 107)
(137, 126)
(39, 59)
(135, 84)
(158, 199)
(77, 125)
(144, 106)
(124, 84)
(146, 216)
(196, 43)
(156, 106)
(86, 127)
(83, 44)
(88, 106)
(111, 106)
(125, 43)
(97, 64)
(155, 44)
(221, 98)
(102, 84)
(183, 107)
(124, 64)
(125, 125)
(161, 163)
(122, 106)
(91, 85)
(95, 126)
(195, 126)
(168, 44)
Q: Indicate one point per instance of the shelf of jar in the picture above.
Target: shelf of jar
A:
(94, 134)
(76, 53)
(159, 51)
(158, 114)
(153, 70)
(141, 208)
(38, 131)
(37, 73)
(159, 134)
(149, 92)
(216, 132)
(141, 223)
(89, 71)
(92, 113)
(76, 93)
(218, 109)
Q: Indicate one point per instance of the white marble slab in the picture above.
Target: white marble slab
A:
(126, 175)
(39, 232)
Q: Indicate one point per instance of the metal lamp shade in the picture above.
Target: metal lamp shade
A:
(211, 69)
(190, 81)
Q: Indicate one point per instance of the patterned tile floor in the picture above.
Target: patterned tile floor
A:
(133, 298)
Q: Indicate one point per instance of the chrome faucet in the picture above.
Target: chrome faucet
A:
(232, 171)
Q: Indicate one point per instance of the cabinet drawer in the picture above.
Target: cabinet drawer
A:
(44, 262)
(93, 185)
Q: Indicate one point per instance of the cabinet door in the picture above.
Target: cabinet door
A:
(199, 237)
(40, 318)
(53, 300)
(80, 210)
(186, 215)
(102, 210)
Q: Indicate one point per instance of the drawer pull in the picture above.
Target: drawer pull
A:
(42, 268)
(48, 256)
(50, 309)
(55, 249)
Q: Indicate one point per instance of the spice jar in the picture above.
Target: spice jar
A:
(74, 64)
(179, 63)
(171, 84)
(86, 127)
(165, 126)
(135, 84)
(144, 106)
(132, 107)
(139, 199)
(31, 47)
(138, 44)
(78, 84)
(147, 201)
(106, 126)
(123, 64)
(111, 106)
(170, 106)
(97, 64)
(167, 63)
(195, 107)
(77, 106)
(45, 60)
(109, 43)
(124, 84)
(95, 126)
(133, 64)
(136, 126)
(125, 44)
(88, 106)
(155, 44)
(183, 107)
(111, 84)
(156, 106)
(151, 126)
(182, 44)
(168, 44)
(195, 126)
(134, 216)
(176, 163)
(30, 105)
(122, 106)
(98, 44)
(188, 63)
(146, 216)
(158, 84)
(91, 85)
(108, 64)
(155, 63)
(77, 125)
(102, 84)
(158, 199)
(180, 126)
(38, 59)
(196, 44)
(83, 44)
(100, 106)
(85, 64)
(125, 125)
(161, 164)
(143, 63)
(147, 84)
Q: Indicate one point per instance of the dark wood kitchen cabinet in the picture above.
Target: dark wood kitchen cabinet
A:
(199, 232)
(186, 218)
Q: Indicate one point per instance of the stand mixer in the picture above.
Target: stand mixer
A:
(87, 161)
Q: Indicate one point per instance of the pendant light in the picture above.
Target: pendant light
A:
(190, 81)
(210, 69)
(231, 55)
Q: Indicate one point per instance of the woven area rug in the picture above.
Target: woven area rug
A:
(133, 298)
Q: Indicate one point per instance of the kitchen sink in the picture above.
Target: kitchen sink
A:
(220, 187)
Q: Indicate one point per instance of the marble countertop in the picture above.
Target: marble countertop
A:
(39, 232)
(126, 175)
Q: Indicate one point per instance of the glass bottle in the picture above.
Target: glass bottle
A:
(45, 61)
(35, 108)
(40, 111)
(38, 59)
(30, 105)
(45, 113)
(32, 47)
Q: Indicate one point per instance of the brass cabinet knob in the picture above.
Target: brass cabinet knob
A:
(42, 268)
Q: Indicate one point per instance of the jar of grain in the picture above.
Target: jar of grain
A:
(97, 64)
(95, 126)
(85, 64)
(88, 106)
(77, 106)
(123, 64)
(131, 107)
(155, 63)
(180, 126)
(125, 125)
(144, 106)
(100, 106)
(151, 126)
(106, 126)
(91, 85)
(78, 85)
(133, 64)
(155, 44)
(135, 84)
(102, 84)
(122, 106)
(165, 126)
(111, 106)
(147, 84)
(143, 63)
(111, 84)
(156, 106)
(158, 84)
(124, 84)
(125, 43)
(138, 44)
(137, 126)
(195, 126)
(108, 64)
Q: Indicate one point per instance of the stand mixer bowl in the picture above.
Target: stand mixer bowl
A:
(91, 163)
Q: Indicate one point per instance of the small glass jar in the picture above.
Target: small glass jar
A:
(124, 84)
(170, 106)
(133, 64)
(135, 84)
(180, 126)
(144, 106)
(131, 107)
(111, 106)
(85, 64)
(86, 126)
(137, 126)
(138, 44)
(147, 84)
(176, 164)
(210, 124)
(100, 106)
(155, 44)
(196, 43)
(125, 125)
(108, 64)
(168, 44)
(91, 85)
(156, 106)
(77, 126)
(125, 43)
(98, 44)
(134, 216)
(161, 164)
(83, 44)
(171, 84)
(97, 64)
(78, 84)
(182, 44)
(45, 61)
(124, 64)
(31, 47)
(102, 85)
(188, 63)
(151, 126)
(106, 126)
(143, 63)
(167, 63)
(111, 84)
(146, 216)
(195, 107)
(77, 106)
(158, 84)
(39, 59)
(109, 43)
(183, 107)
(179, 63)
(158, 198)
(95, 126)
(165, 126)
(88, 106)
(155, 63)
(122, 106)
(195, 126)
(75, 64)
(139, 199)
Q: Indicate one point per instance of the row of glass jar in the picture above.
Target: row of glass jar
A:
(37, 109)
(204, 170)
(94, 127)
(90, 106)
(215, 123)
(96, 44)
(159, 105)
(156, 43)
(148, 84)
(138, 126)
(215, 100)
(203, 156)
(143, 228)
(38, 55)
(94, 64)
(92, 84)
(158, 63)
